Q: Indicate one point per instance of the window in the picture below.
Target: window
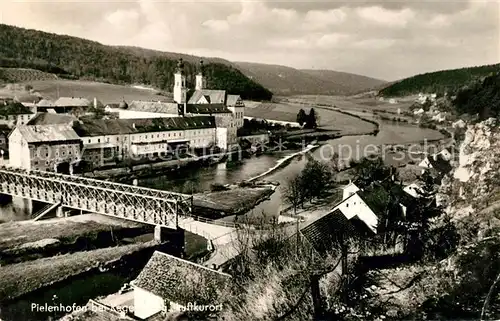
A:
(63, 153)
(90, 141)
(69, 153)
(99, 140)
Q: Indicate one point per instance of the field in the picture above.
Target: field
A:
(13, 75)
(106, 93)
(14, 234)
(358, 102)
(328, 119)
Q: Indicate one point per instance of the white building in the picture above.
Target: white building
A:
(43, 147)
(136, 137)
(355, 206)
(349, 190)
(168, 284)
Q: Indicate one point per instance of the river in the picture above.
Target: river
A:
(200, 179)
(347, 147)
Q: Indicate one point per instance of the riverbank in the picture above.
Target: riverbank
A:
(236, 200)
(22, 278)
(283, 162)
(28, 240)
(151, 169)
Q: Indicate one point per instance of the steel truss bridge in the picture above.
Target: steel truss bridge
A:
(129, 202)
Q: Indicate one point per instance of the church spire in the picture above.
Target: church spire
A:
(202, 68)
(180, 66)
(180, 90)
(200, 77)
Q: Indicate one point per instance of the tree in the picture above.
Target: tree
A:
(368, 170)
(301, 117)
(293, 192)
(419, 216)
(311, 121)
(316, 177)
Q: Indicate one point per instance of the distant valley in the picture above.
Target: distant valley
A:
(283, 80)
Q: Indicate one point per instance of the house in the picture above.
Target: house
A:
(236, 105)
(4, 141)
(52, 119)
(330, 231)
(349, 190)
(14, 113)
(141, 137)
(361, 206)
(439, 162)
(70, 105)
(43, 147)
(27, 99)
(168, 284)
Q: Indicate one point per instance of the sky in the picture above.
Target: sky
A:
(383, 39)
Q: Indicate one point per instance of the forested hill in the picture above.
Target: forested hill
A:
(73, 57)
(482, 98)
(439, 82)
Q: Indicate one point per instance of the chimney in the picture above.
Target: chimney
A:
(133, 125)
(95, 102)
(185, 108)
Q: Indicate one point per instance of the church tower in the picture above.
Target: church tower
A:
(200, 78)
(180, 90)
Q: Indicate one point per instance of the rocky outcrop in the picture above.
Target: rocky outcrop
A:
(475, 180)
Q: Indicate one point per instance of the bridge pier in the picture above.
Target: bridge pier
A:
(174, 238)
(59, 212)
(22, 204)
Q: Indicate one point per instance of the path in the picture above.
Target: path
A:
(227, 247)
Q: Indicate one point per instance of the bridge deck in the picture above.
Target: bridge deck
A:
(129, 202)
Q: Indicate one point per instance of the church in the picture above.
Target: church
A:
(228, 110)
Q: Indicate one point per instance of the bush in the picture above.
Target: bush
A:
(217, 187)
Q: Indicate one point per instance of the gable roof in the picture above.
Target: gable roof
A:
(232, 100)
(207, 109)
(440, 164)
(72, 102)
(180, 281)
(14, 108)
(154, 107)
(329, 231)
(51, 118)
(216, 96)
(207, 98)
(101, 127)
(45, 103)
(48, 133)
(27, 98)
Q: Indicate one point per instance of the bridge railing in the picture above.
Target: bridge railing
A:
(184, 201)
(214, 222)
(98, 199)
